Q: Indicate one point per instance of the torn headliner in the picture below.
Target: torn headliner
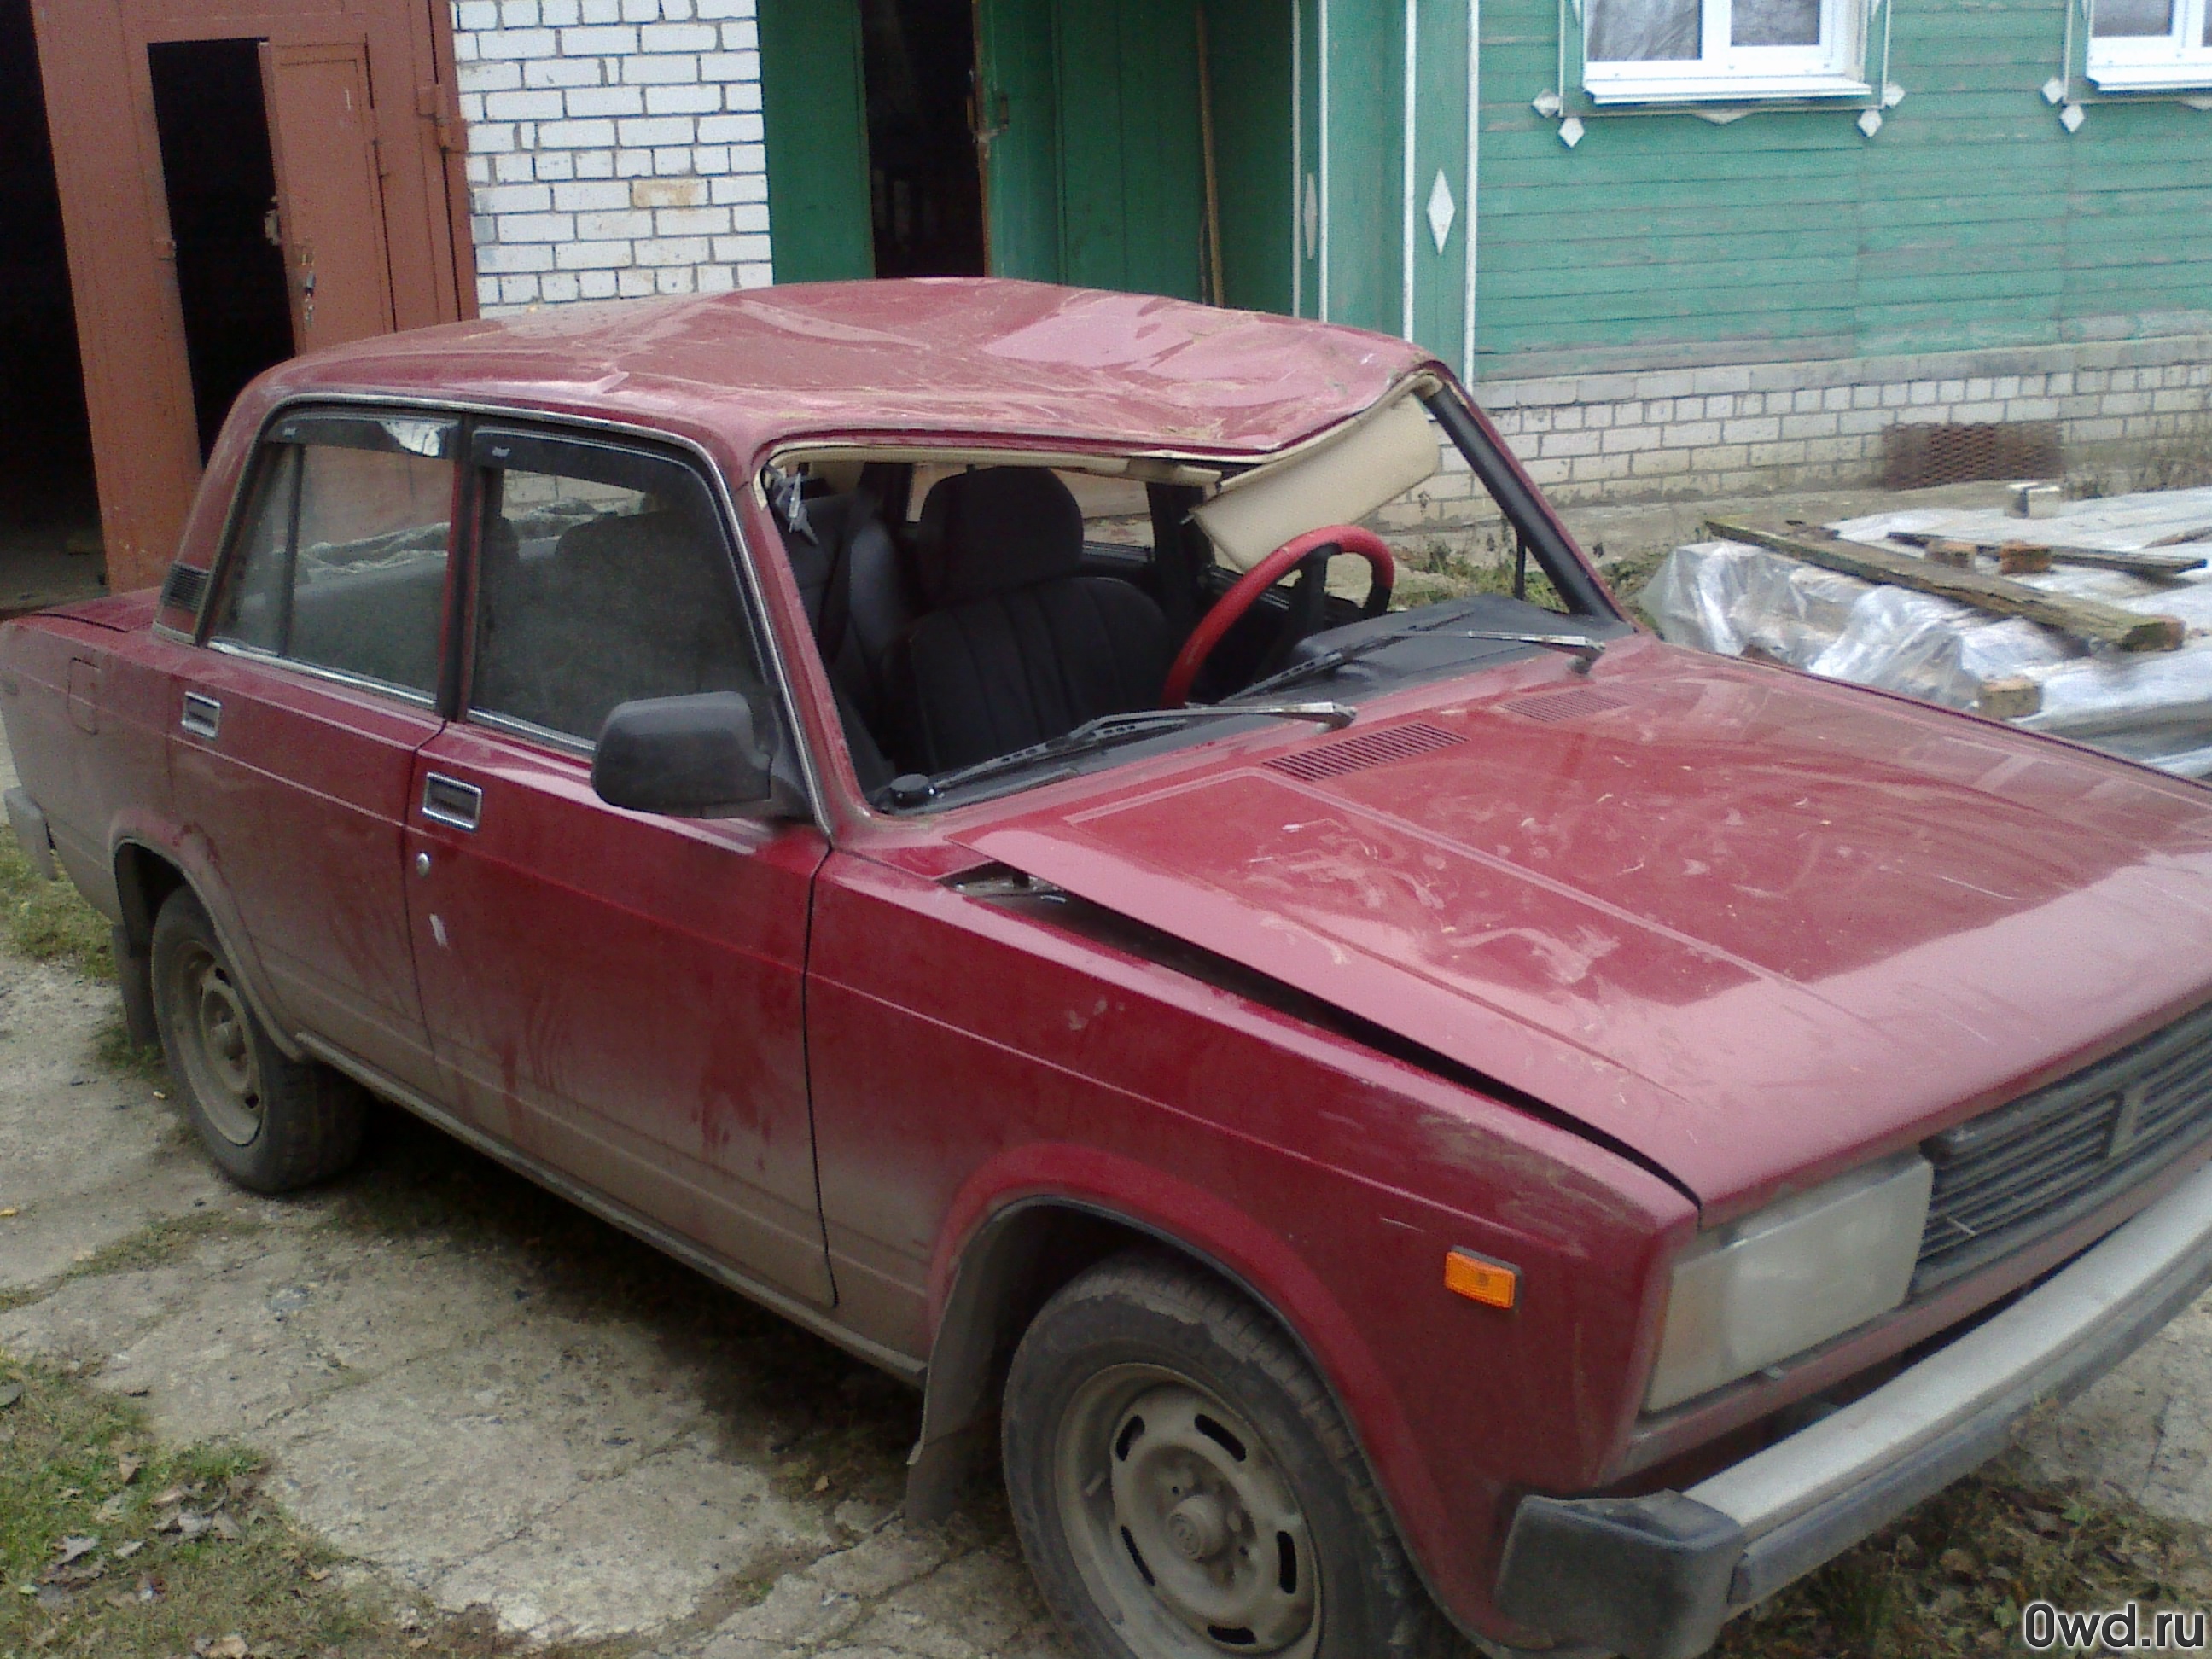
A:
(941, 356)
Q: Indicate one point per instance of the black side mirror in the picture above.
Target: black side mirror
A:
(697, 756)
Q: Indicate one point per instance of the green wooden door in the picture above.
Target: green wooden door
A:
(1132, 179)
(814, 107)
(1094, 174)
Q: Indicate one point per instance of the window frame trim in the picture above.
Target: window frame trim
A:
(2178, 61)
(227, 562)
(1829, 75)
(547, 430)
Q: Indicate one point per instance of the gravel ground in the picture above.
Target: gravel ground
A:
(475, 1388)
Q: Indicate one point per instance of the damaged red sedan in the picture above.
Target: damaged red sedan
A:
(1116, 859)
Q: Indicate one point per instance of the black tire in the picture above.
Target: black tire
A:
(270, 1123)
(1274, 1519)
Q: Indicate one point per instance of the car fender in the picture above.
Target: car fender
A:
(189, 851)
(970, 1274)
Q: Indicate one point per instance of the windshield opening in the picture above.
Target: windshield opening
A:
(986, 626)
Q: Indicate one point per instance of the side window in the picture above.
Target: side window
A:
(604, 577)
(341, 561)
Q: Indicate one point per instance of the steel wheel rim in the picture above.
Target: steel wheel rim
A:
(1182, 1523)
(218, 1044)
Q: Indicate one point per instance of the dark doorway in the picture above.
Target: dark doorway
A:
(222, 188)
(925, 198)
(50, 546)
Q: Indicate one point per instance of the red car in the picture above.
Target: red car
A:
(1114, 858)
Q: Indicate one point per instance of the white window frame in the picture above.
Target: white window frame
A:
(1725, 72)
(2176, 61)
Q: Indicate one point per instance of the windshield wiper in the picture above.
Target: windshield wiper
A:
(1584, 649)
(912, 789)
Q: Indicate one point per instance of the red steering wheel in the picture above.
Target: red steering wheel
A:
(1229, 610)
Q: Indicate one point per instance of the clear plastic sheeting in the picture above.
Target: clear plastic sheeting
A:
(2152, 707)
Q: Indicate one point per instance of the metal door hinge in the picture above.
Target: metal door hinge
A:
(435, 102)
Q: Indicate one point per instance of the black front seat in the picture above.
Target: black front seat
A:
(1019, 645)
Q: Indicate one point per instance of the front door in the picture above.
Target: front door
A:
(295, 729)
(617, 996)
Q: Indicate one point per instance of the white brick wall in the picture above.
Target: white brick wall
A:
(1741, 429)
(615, 147)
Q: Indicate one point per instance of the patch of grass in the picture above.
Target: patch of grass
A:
(112, 1048)
(156, 1242)
(187, 1550)
(49, 920)
(163, 1241)
(1950, 1579)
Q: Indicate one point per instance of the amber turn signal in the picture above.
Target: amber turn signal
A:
(1477, 1277)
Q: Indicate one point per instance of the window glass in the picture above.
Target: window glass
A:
(2122, 17)
(1642, 31)
(1776, 23)
(341, 563)
(605, 578)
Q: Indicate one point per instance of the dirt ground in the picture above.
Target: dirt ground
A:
(473, 1388)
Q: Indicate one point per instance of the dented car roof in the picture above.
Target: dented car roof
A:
(937, 355)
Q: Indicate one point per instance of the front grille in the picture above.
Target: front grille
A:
(2031, 1167)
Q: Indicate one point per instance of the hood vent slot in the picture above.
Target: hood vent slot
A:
(1553, 706)
(1391, 743)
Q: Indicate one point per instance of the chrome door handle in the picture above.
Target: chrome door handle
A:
(203, 715)
(449, 801)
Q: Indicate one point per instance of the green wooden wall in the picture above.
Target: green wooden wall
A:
(1972, 218)
(1354, 126)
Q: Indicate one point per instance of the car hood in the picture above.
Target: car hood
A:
(1751, 925)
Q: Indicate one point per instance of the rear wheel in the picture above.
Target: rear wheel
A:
(272, 1123)
(1185, 1488)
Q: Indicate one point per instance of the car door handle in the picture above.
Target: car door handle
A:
(449, 801)
(203, 715)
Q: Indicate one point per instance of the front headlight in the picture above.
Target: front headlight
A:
(1789, 1276)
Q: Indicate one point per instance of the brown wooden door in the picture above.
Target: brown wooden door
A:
(330, 190)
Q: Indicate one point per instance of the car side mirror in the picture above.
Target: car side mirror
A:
(698, 756)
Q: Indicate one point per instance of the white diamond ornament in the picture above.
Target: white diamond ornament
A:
(2071, 117)
(1570, 132)
(1441, 211)
(1312, 217)
(1871, 122)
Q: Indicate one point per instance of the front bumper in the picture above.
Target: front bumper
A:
(1655, 1578)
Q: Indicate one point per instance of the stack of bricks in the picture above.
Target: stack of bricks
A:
(615, 147)
(1745, 428)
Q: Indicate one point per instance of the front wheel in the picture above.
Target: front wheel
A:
(1185, 1488)
(270, 1123)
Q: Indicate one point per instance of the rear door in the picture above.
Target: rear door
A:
(292, 739)
(617, 995)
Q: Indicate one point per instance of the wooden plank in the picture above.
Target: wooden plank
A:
(2084, 619)
(2148, 562)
